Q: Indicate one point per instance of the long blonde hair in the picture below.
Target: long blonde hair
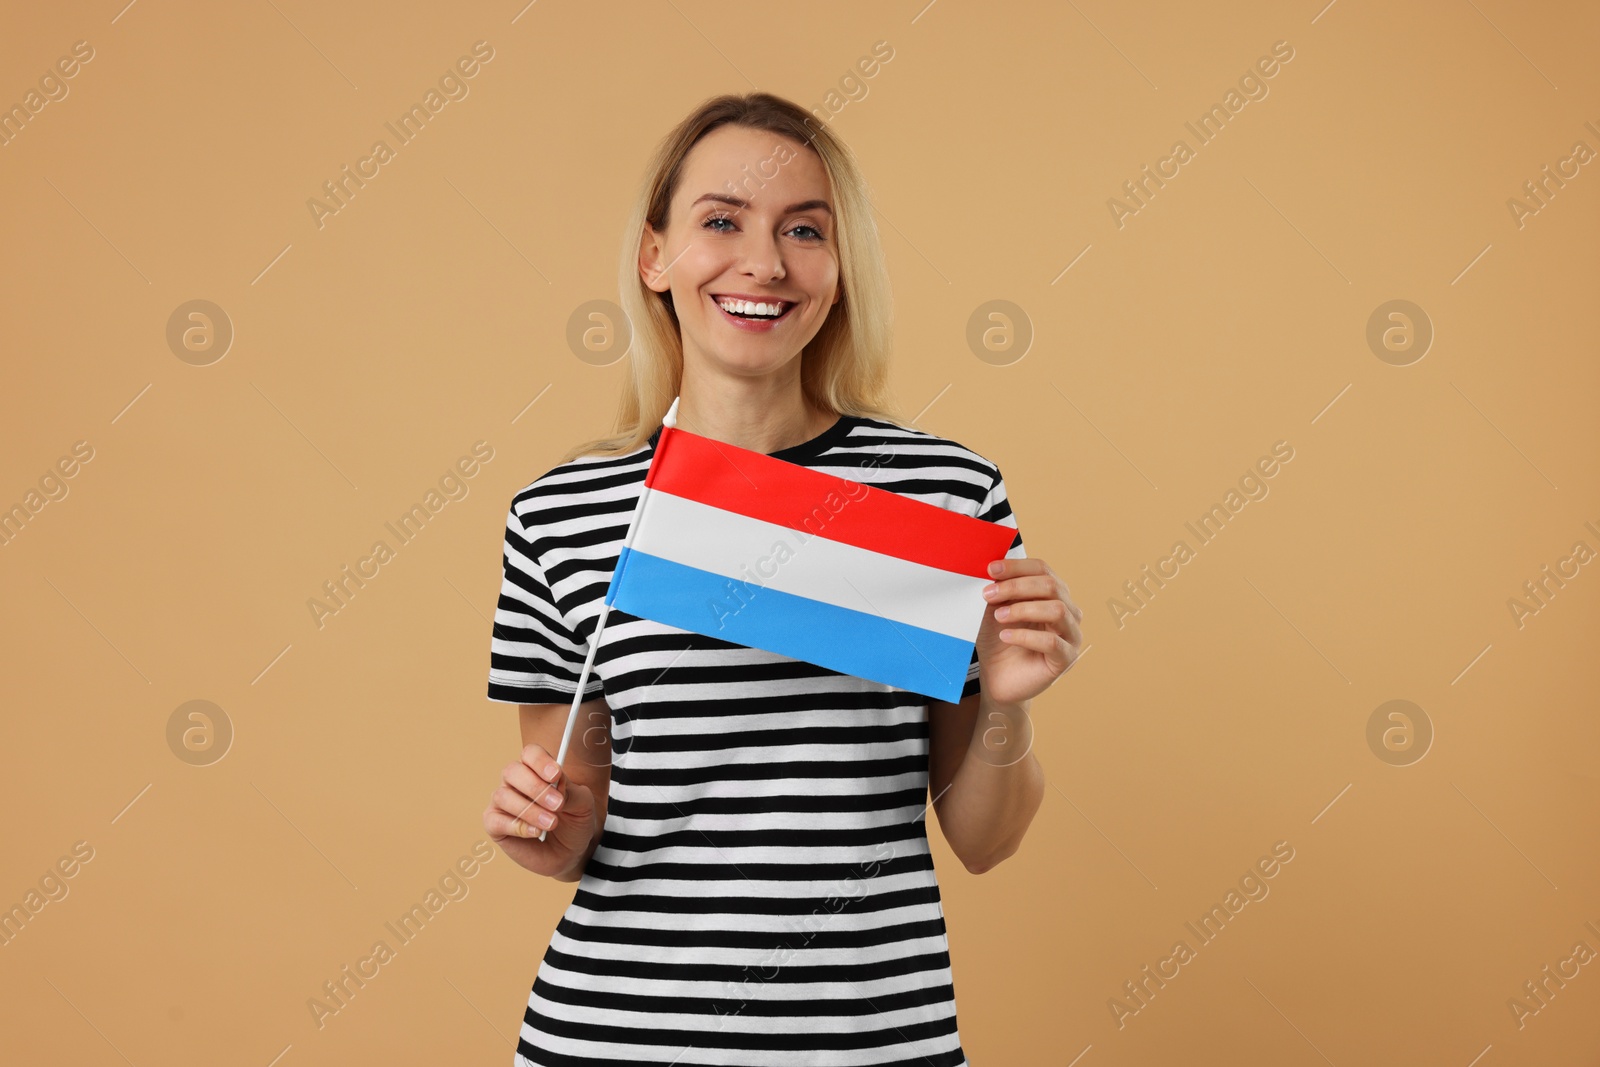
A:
(845, 367)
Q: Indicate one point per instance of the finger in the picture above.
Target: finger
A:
(538, 776)
(541, 762)
(1024, 587)
(1077, 612)
(1065, 596)
(515, 805)
(500, 824)
(1051, 615)
(1074, 634)
(1051, 644)
(521, 777)
(1045, 590)
(1049, 612)
(1031, 583)
(1011, 568)
(526, 809)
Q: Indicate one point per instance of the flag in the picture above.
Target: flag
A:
(758, 551)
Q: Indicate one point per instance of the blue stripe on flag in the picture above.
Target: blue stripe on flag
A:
(851, 642)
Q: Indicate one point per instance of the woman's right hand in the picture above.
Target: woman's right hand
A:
(518, 807)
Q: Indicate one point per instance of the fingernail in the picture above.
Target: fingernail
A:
(546, 820)
(991, 589)
(1002, 613)
(550, 770)
(551, 800)
(995, 568)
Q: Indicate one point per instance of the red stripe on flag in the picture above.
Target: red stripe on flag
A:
(824, 505)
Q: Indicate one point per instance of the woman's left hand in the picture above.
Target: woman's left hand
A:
(1040, 622)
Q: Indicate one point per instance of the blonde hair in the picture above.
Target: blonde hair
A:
(844, 369)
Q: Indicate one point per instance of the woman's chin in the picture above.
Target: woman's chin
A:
(752, 358)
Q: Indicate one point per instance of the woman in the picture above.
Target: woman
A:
(746, 830)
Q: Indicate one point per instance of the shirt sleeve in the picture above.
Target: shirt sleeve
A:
(534, 656)
(996, 507)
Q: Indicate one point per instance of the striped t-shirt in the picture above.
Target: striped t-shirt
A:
(762, 892)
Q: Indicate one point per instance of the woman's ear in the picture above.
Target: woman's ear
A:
(651, 253)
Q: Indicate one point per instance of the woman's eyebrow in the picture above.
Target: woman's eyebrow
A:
(804, 205)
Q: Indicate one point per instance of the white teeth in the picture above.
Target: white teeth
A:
(746, 307)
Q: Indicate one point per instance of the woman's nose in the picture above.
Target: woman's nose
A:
(762, 257)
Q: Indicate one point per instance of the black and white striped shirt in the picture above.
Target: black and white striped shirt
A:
(762, 892)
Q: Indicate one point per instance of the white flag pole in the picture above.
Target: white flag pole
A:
(669, 419)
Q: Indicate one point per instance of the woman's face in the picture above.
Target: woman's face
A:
(750, 220)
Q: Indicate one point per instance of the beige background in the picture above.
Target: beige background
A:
(1229, 313)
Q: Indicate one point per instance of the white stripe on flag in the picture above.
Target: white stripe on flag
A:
(744, 549)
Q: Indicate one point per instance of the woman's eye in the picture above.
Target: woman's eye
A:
(812, 234)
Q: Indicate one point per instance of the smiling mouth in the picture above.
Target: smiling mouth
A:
(754, 311)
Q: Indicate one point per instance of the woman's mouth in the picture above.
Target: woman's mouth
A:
(756, 316)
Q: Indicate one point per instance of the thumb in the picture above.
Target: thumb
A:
(575, 798)
(575, 818)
